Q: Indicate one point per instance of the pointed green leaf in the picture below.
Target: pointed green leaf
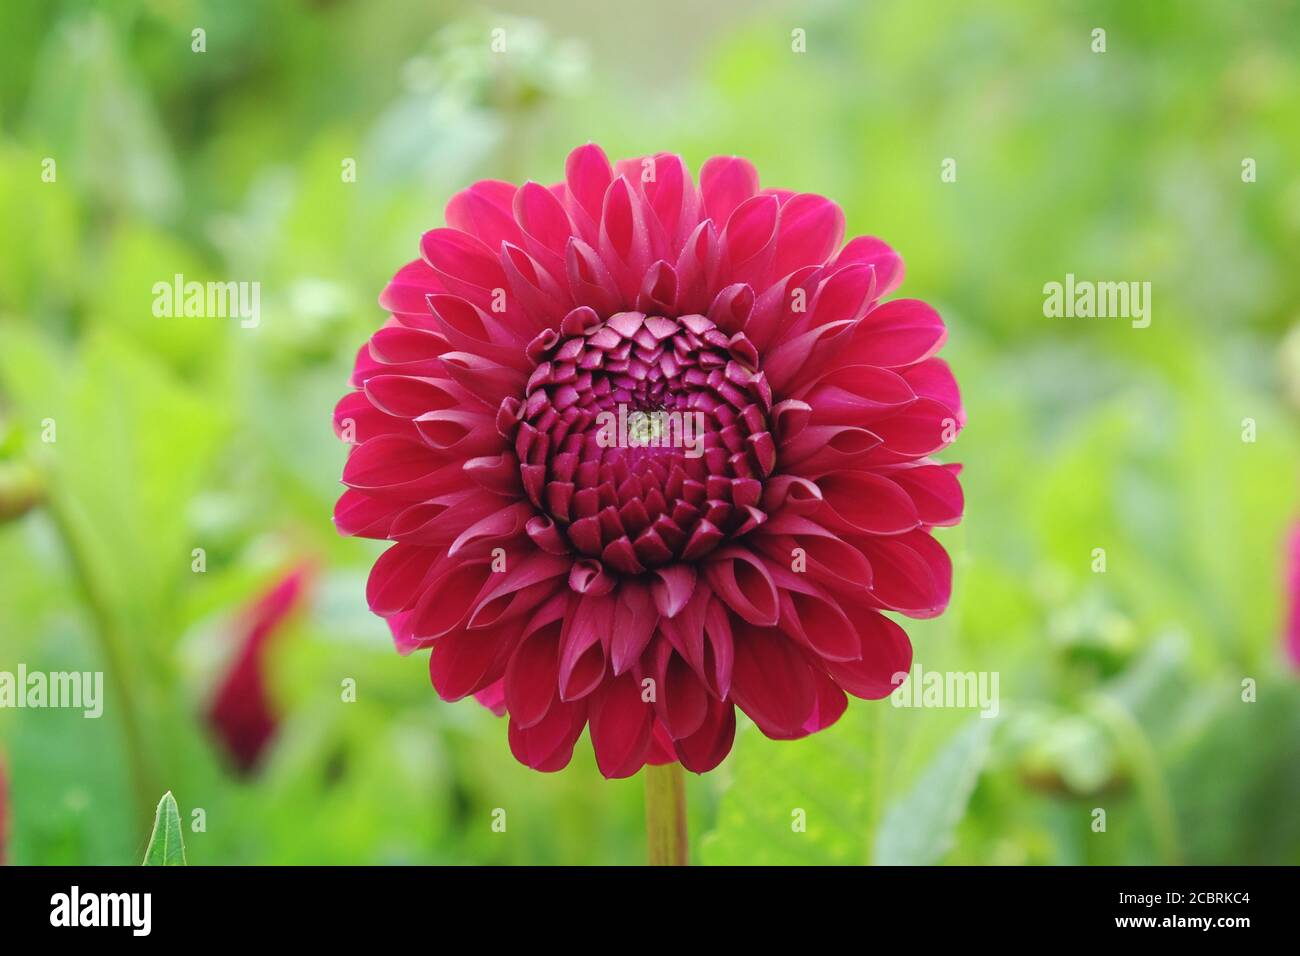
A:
(917, 829)
(166, 847)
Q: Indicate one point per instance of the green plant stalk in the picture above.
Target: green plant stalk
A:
(21, 489)
(665, 815)
(112, 646)
(1151, 786)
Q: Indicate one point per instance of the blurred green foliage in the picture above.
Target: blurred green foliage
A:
(1120, 690)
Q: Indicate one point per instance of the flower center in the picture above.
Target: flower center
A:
(646, 428)
(642, 440)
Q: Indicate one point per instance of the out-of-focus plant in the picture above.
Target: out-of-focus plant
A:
(175, 435)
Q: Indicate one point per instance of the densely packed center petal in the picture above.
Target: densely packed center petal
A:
(642, 440)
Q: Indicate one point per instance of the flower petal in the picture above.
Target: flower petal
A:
(772, 682)
(741, 580)
(621, 724)
(725, 183)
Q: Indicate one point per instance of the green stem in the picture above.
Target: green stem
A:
(1151, 786)
(113, 648)
(665, 815)
(21, 489)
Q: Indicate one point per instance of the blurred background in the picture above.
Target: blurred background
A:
(166, 484)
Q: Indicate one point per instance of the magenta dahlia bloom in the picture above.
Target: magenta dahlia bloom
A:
(240, 713)
(572, 572)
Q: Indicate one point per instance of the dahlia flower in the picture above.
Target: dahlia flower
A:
(643, 589)
(240, 714)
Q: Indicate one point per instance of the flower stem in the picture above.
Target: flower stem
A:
(1151, 785)
(113, 647)
(665, 815)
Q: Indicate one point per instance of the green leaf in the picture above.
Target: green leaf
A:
(133, 447)
(918, 828)
(96, 117)
(819, 800)
(797, 803)
(166, 846)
